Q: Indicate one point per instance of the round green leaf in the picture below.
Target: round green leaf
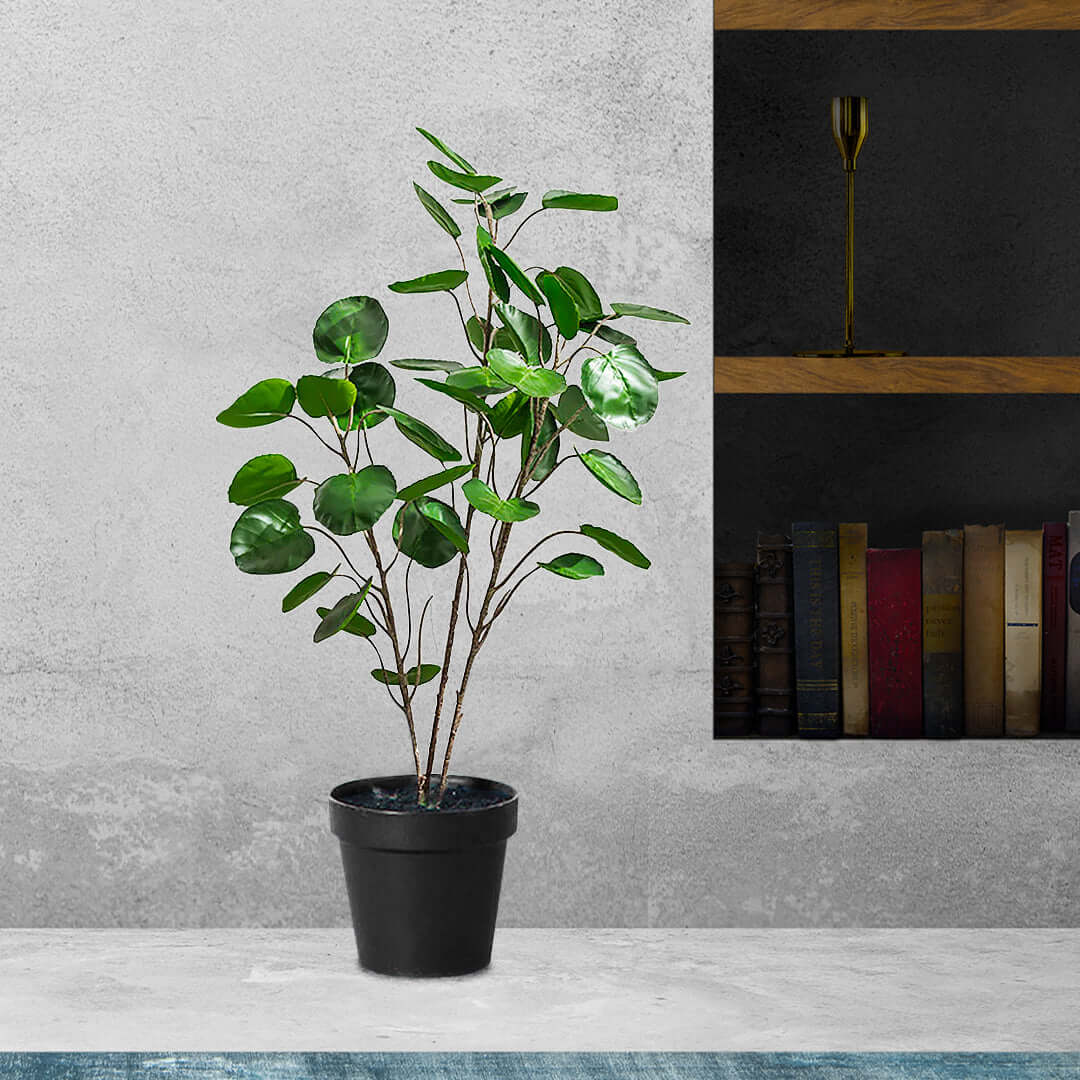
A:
(446, 523)
(588, 303)
(416, 364)
(575, 566)
(265, 403)
(562, 304)
(416, 431)
(478, 380)
(336, 618)
(358, 624)
(533, 381)
(613, 542)
(510, 416)
(433, 482)
(573, 410)
(268, 539)
(320, 395)
(352, 330)
(439, 145)
(374, 386)
(643, 311)
(573, 200)
(620, 387)
(487, 502)
(465, 181)
(507, 204)
(352, 502)
(437, 211)
(306, 589)
(544, 464)
(440, 281)
(268, 476)
(516, 275)
(612, 473)
(526, 332)
(464, 397)
(417, 536)
(415, 676)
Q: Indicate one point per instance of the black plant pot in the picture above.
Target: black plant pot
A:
(423, 885)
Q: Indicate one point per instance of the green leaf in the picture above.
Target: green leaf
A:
(643, 311)
(437, 211)
(613, 542)
(479, 380)
(415, 533)
(527, 333)
(537, 382)
(496, 279)
(620, 387)
(445, 522)
(358, 624)
(353, 329)
(415, 676)
(516, 275)
(352, 502)
(265, 403)
(562, 304)
(431, 483)
(465, 181)
(665, 376)
(487, 502)
(474, 330)
(611, 335)
(612, 473)
(320, 395)
(464, 397)
(572, 200)
(439, 145)
(306, 589)
(416, 431)
(440, 281)
(507, 204)
(268, 476)
(416, 364)
(575, 566)
(585, 297)
(544, 464)
(573, 410)
(341, 613)
(269, 539)
(510, 416)
(374, 386)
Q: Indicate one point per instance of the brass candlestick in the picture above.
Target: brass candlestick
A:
(850, 125)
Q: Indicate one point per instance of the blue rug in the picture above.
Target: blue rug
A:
(500, 1066)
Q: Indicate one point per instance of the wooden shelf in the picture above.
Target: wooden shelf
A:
(896, 15)
(900, 375)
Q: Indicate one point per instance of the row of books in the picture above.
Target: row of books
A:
(977, 633)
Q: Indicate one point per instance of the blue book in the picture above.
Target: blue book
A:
(817, 628)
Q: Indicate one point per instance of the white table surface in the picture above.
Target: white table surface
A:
(266, 990)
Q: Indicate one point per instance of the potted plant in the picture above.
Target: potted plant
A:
(541, 366)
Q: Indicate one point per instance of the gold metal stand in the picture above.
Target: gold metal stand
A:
(851, 125)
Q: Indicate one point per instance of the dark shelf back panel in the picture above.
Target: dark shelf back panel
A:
(967, 192)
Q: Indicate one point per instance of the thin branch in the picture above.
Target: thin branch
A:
(540, 483)
(501, 606)
(510, 573)
(334, 541)
(408, 609)
(538, 210)
(420, 648)
(464, 326)
(464, 267)
(383, 666)
(310, 427)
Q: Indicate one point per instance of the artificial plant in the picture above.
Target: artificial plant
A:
(517, 407)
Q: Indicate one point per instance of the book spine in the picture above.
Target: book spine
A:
(943, 633)
(817, 630)
(1072, 626)
(1055, 561)
(894, 610)
(733, 708)
(774, 637)
(854, 658)
(1023, 631)
(984, 630)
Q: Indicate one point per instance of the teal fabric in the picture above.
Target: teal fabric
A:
(541, 1066)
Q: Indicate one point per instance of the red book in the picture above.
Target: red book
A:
(894, 625)
(1055, 545)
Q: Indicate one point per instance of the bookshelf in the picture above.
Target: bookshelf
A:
(897, 375)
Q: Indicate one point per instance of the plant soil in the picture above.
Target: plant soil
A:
(403, 799)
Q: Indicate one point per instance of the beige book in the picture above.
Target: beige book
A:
(1023, 631)
(984, 630)
(854, 671)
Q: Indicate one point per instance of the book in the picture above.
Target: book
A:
(854, 659)
(894, 621)
(1054, 609)
(817, 630)
(733, 709)
(943, 633)
(984, 630)
(773, 636)
(1023, 630)
(1072, 626)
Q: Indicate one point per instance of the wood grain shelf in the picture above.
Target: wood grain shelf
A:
(896, 15)
(900, 375)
